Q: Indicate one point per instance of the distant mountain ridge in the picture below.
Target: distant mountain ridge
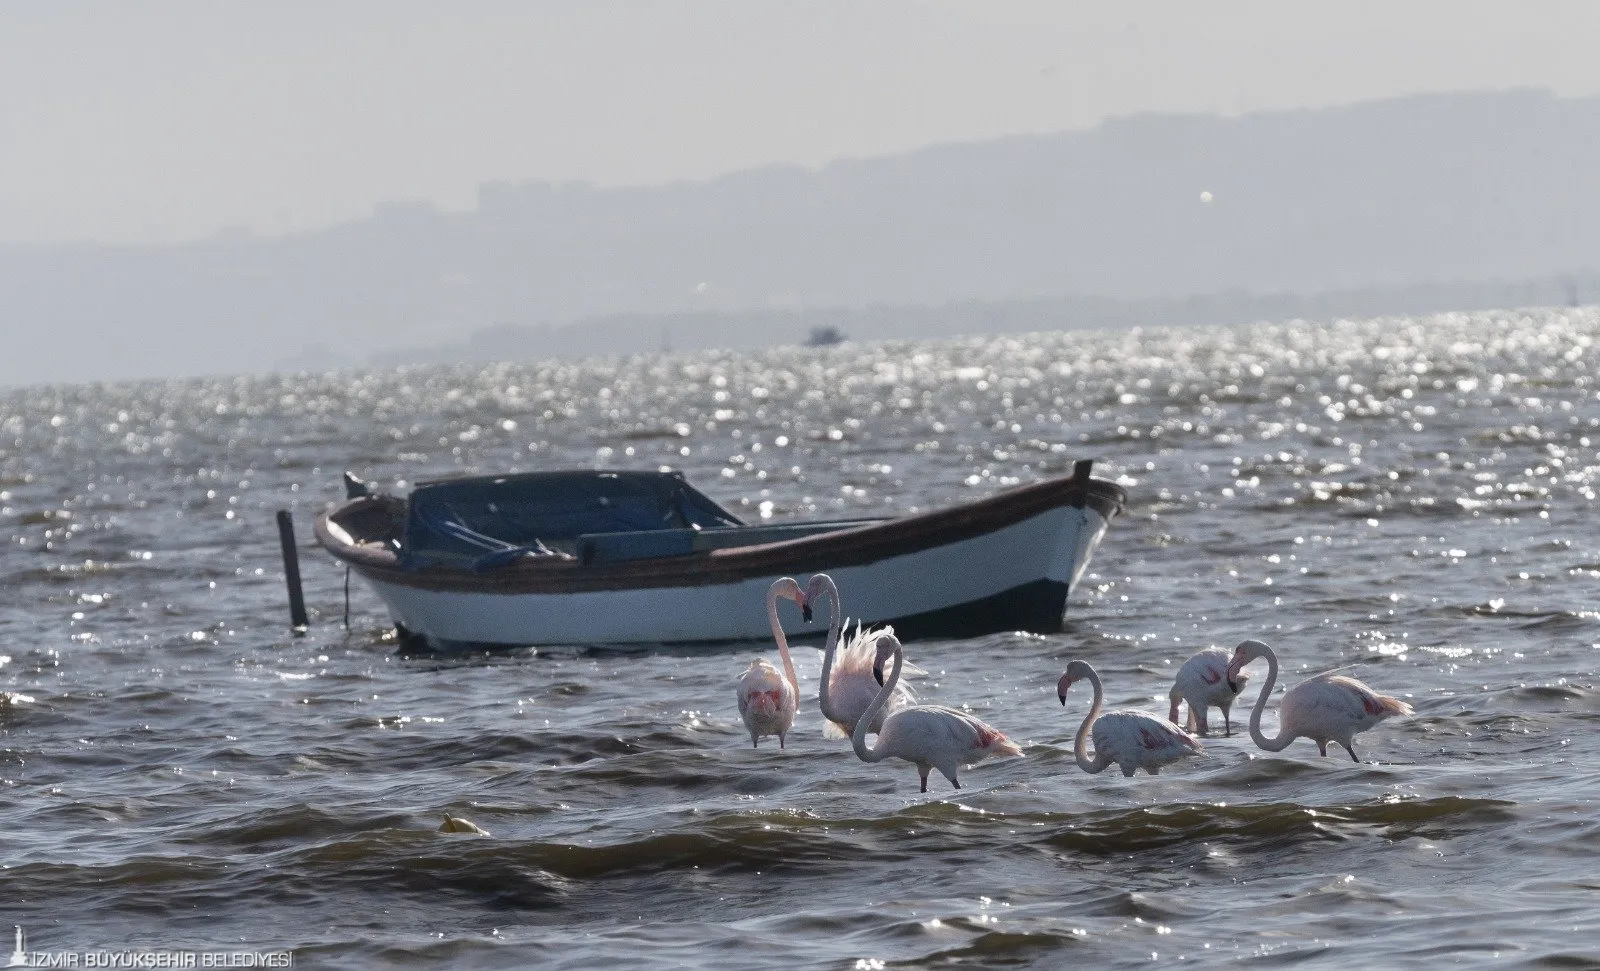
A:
(1427, 189)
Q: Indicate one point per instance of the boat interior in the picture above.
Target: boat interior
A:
(481, 522)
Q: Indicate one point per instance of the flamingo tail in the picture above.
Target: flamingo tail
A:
(1005, 746)
(1393, 706)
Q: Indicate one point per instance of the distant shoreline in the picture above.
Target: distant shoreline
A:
(754, 329)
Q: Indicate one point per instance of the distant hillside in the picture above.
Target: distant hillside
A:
(1466, 187)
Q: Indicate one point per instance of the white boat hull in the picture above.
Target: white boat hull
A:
(1043, 556)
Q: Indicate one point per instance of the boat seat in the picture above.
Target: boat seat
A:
(634, 545)
(472, 549)
(644, 545)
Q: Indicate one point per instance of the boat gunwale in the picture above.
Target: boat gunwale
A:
(850, 546)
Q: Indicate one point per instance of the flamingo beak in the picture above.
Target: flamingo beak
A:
(1062, 695)
(877, 674)
(1233, 685)
(805, 611)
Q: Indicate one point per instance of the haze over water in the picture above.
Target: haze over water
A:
(1413, 497)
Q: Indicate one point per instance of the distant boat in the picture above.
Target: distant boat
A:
(643, 558)
(825, 336)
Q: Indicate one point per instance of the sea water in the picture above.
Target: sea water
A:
(1412, 497)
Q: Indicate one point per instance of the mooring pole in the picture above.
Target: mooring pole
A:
(291, 572)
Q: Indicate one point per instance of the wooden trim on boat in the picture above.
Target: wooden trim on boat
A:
(356, 532)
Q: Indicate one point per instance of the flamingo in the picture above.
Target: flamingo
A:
(848, 686)
(1132, 739)
(1327, 708)
(767, 699)
(1204, 682)
(927, 736)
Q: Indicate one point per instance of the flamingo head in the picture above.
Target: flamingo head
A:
(789, 589)
(1246, 652)
(1076, 671)
(820, 585)
(888, 646)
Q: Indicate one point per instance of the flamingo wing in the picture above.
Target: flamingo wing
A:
(1321, 706)
(858, 652)
(1158, 736)
(852, 696)
(763, 689)
(1203, 681)
(1136, 738)
(852, 686)
(760, 675)
(1373, 704)
(962, 732)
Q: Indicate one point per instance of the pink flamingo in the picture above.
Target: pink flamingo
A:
(847, 687)
(1204, 682)
(1132, 739)
(1327, 708)
(767, 700)
(927, 736)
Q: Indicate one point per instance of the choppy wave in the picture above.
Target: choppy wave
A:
(1413, 497)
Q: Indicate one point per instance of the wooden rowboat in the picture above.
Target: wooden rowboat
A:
(623, 558)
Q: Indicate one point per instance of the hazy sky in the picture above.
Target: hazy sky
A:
(170, 120)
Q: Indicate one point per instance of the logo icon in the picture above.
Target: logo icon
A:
(19, 956)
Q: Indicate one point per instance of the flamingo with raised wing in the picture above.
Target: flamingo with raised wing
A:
(1134, 740)
(928, 736)
(1203, 682)
(1326, 708)
(767, 698)
(847, 686)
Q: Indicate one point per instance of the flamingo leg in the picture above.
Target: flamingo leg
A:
(1352, 751)
(923, 775)
(1200, 720)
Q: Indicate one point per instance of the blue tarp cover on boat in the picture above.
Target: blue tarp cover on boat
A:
(484, 521)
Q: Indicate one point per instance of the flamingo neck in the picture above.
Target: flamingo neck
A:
(1284, 738)
(858, 737)
(1080, 747)
(783, 642)
(835, 628)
